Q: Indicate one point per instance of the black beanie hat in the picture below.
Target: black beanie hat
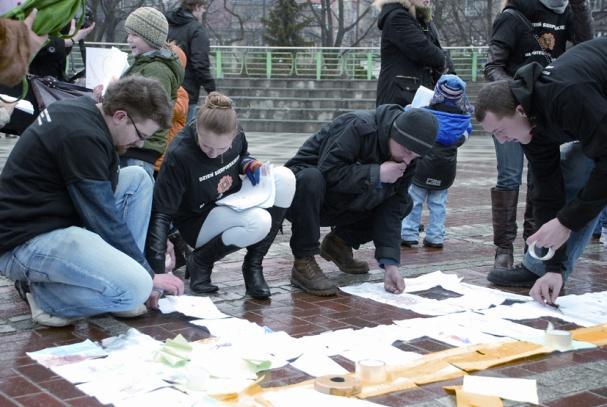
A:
(415, 129)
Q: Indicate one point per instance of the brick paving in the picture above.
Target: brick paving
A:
(568, 379)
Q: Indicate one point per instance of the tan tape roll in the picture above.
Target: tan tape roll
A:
(371, 371)
(337, 385)
(557, 339)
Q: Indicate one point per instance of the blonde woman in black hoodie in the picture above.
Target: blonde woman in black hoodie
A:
(205, 163)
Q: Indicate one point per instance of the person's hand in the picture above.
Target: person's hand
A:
(169, 258)
(393, 282)
(82, 33)
(547, 288)
(252, 170)
(36, 41)
(98, 93)
(391, 171)
(551, 234)
(164, 283)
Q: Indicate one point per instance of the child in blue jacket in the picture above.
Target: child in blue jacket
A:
(435, 172)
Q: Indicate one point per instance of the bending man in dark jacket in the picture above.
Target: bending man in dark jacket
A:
(542, 109)
(185, 28)
(526, 31)
(72, 225)
(411, 54)
(354, 174)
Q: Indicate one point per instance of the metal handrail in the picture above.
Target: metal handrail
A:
(308, 62)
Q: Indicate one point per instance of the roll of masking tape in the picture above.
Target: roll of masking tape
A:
(533, 254)
(337, 385)
(557, 339)
(371, 371)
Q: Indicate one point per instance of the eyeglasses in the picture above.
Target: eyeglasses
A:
(140, 135)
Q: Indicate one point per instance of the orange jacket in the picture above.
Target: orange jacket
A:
(180, 109)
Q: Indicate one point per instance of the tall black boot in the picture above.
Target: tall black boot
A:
(503, 209)
(199, 264)
(252, 270)
(182, 250)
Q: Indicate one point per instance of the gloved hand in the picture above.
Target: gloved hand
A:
(252, 170)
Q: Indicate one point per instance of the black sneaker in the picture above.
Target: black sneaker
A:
(409, 243)
(22, 288)
(519, 276)
(432, 245)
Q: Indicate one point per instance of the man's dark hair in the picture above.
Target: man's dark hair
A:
(191, 4)
(497, 98)
(142, 98)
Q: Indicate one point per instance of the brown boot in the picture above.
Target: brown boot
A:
(334, 248)
(307, 275)
(503, 209)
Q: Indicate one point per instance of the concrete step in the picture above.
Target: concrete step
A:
(302, 103)
(281, 126)
(284, 114)
(297, 83)
(324, 93)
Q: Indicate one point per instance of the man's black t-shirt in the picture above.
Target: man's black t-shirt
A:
(67, 143)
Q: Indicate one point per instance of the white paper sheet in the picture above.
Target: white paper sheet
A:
(523, 390)
(295, 397)
(317, 365)
(422, 97)
(67, 354)
(191, 306)
(261, 195)
(104, 65)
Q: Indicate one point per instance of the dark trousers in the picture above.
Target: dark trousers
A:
(313, 207)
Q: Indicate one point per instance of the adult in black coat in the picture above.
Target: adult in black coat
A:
(411, 54)
(354, 175)
(543, 108)
(185, 28)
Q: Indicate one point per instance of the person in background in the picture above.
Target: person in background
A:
(147, 30)
(185, 28)
(435, 172)
(411, 54)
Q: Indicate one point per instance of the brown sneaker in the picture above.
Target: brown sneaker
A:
(307, 275)
(335, 249)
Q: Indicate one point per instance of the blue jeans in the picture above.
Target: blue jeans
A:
(73, 272)
(437, 203)
(509, 165)
(602, 222)
(133, 162)
(192, 112)
(576, 168)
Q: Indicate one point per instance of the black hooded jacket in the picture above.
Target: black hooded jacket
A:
(191, 37)
(348, 152)
(411, 54)
(566, 101)
(514, 44)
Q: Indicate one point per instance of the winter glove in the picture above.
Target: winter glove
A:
(252, 170)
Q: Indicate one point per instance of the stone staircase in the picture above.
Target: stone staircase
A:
(296, 105)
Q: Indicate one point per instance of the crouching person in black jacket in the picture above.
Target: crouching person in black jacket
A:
(204, 164)
(354, 175)
(559, 115)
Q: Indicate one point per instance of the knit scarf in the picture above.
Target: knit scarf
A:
(558, 6)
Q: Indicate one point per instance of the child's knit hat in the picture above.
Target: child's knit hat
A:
(149, 24)
(451, 90)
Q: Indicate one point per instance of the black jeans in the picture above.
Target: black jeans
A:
(312, 208)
